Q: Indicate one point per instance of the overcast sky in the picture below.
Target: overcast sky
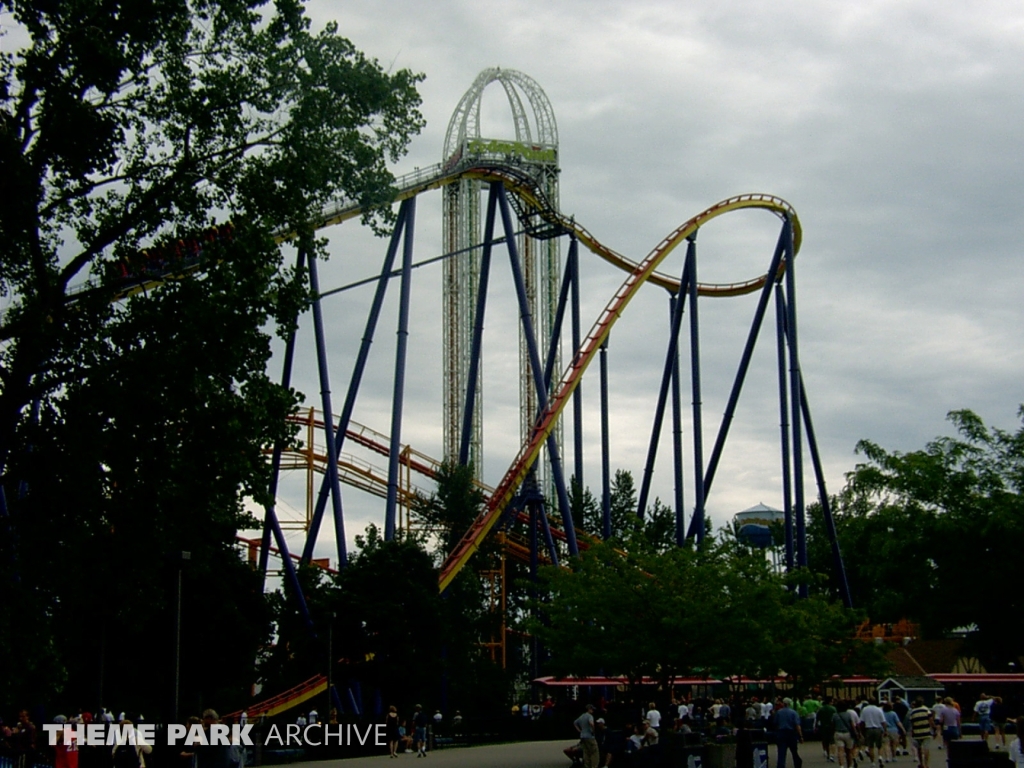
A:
(893, 128)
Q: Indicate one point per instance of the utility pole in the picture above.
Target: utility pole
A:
(330, 664)
(177, 639)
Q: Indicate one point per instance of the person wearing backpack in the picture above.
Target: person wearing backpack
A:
(845, 722)
(130, 755)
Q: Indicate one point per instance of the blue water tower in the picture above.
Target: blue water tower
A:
(754, 525)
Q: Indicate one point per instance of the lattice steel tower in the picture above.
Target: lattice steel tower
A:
(535, 150)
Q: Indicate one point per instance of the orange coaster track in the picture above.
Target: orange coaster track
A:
(639, 273)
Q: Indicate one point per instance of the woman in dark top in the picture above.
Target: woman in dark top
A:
(391, 730)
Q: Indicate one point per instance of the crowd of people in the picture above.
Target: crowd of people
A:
(27, 744)
(852, 734)
(424, 730)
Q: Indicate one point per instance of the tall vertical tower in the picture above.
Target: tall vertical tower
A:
(533, 150)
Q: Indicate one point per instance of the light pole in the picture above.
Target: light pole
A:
(330, 664)
(177, 639)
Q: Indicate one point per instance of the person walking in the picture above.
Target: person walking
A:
(998, 715)
(419, 722)
(845, 722)
(920, 725)
(894, 732)
(585, 726)
(788, 734)
(983, 709)
(873, 722)
(902, 709)
(949, 721)
(826, 728)
(653, 716)
(391, 726)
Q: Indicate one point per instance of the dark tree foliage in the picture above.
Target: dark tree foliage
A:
(451, 510)
(469, 615)
(935, 535)
(712, 611)
(588, 515)
(131, 432)
(656, 529)
(586, 510)
(380, 622)
(623, 503)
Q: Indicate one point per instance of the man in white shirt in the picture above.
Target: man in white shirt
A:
(873, 725)
(653, 716)
(983, 708)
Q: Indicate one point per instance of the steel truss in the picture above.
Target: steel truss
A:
(545, 295)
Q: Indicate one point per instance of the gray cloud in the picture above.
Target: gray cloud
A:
(894, 128)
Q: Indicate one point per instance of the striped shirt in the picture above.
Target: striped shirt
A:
(919, 725)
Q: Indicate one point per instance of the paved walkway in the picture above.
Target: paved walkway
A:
(533, 754)
(548, 754)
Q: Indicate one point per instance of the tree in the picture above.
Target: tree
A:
(379, 622)
(655, 529)
(622, 505)
(132, 431)
(586, 511)
(450, 511)
(714, 611)
(933, 535)
(472, 681)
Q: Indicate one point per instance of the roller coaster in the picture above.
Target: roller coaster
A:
(516, 177)
(521, 195)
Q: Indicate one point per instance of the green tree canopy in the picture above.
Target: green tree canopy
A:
(934, 535)
(132, 431)
(379, 622)
(710, 611)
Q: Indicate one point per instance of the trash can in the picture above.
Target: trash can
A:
(759, 751)
(751, 748)
(720, 755)
(693, 757)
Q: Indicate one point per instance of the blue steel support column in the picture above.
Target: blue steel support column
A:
(677, 438)
(270, 513)
(577, 395)
(606, 480)
(819, 473)
(697, 525)
(289, 571)
(534, 540)
(795, 398)
(396, 403)
(478, 330)
(357, 376)
(826, 506)
(748, 349)
(556, 326)
(538, 377)
(666, 379)
(325, 399)
(271, 525)
(787, 491)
